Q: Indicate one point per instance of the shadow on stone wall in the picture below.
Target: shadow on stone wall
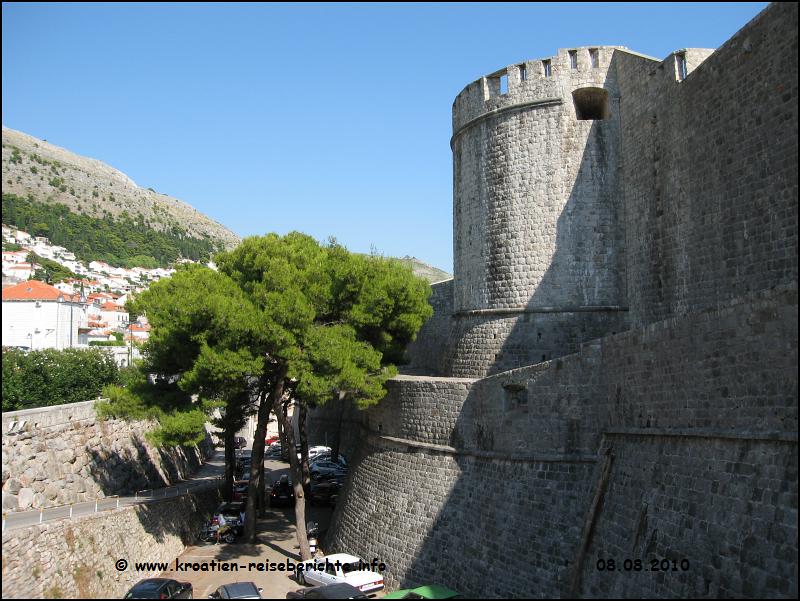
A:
(581, 295)
(124, 472)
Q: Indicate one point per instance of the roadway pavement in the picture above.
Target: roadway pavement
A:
(277, 542)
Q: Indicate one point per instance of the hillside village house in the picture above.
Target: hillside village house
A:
(37, 316)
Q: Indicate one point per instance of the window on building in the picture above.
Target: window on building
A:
(523, 73)
(680, 66)
(573, 59)
(547, 68)
(516, 396)
(590, 103)
(504, 84)
(594, 58)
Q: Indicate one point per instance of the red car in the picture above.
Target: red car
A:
(268, 441)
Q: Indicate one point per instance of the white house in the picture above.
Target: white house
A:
(22, 237)
(19, 270)
(115, 316)
(37, 315)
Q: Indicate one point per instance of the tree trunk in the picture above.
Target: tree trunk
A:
(281, 433)
(304, 470)
(262, 485)
(230, 462)
(297, 483)
(337, 439)
(256, 460)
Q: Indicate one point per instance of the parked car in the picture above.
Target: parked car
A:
(316, 450)
(273, 452)
(327, 470)
(430, 591)
(324, 492)
(231, 511)
(243, 467)
(330, 591)
(282, 492)
(338, 568)
(237, 590)
(240, 490)
(239, 442)
(327, 456)
(160, 588)
(270, 439)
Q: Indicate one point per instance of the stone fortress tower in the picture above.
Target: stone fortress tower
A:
(612, 371)
(538, 246)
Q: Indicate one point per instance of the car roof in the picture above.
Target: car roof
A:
(340, 590)
(343, 557)
(428, 591)
(235, 590)
(152, 583)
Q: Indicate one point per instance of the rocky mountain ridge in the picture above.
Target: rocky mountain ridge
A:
(51, 174)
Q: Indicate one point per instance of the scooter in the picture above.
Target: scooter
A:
(209, 533)
(312, 530)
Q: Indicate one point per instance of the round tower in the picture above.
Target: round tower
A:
(537, 212)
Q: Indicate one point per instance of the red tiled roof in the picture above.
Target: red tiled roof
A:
(109, 306)
(33, 290)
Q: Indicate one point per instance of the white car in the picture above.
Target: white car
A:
(314, 451)
(340, 567)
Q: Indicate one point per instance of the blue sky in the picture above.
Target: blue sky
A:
(328, 119)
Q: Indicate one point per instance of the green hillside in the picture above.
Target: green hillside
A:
(121, 242)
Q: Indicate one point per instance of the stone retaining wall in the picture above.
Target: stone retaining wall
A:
(76, 558)
(65, 454)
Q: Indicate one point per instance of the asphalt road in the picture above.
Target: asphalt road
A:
(277, 542)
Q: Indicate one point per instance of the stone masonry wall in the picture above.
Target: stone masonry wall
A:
(484, 526)
(710, 398)
(428, 351)
(65, 454)
(676, 437)
(733, 370)
(483, 345)
(537, 222)
(710, 171)
(724, 510)
(76, 558)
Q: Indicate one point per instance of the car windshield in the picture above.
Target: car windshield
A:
(350, 567)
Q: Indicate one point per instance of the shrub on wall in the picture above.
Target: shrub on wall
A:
(52, 377)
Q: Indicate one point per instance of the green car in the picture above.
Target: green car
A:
(430, 591)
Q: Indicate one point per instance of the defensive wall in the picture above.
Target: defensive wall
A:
(76, 559)
(65, 454)
(691, 445)
(625, 236)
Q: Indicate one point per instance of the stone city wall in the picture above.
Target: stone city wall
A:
(715, 515)
(428, 351)
(711, 400)
(710, 171)
(76, 558)
(729, 370)
(65, 454)
(486, 526)
(537, 217)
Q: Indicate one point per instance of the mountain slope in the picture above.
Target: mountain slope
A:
(54, 175)
(423, 270)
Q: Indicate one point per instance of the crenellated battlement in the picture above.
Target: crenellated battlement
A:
(543, 79)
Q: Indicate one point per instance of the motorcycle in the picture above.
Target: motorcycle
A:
(312, 530)
(208, 533)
